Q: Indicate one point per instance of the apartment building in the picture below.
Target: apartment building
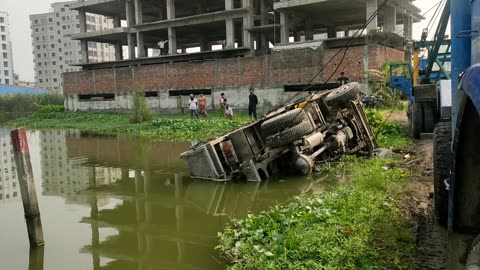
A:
(6, 59)
(53, 49)
(9, 189)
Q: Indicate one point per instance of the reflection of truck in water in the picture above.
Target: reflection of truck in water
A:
(294, 137)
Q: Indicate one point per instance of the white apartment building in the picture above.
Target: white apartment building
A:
(6, 58)
(55, 52)
(9, 189)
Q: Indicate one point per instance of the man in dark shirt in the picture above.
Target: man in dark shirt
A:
(252, 103)
(343, 79)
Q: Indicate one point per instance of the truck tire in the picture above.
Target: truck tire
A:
(290, 135)
(428, 118)
(415, 120)
(442, 158)
(343, 94)
(283, 121)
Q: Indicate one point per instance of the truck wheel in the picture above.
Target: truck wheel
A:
(415, 120)
(282, 121)
(343, 94)
(290, 135)
(428, 118)
(442, 158)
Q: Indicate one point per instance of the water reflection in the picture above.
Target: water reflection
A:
(129, 204)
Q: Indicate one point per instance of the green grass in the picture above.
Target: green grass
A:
(356, 226)
(389, 134)
(164, 128)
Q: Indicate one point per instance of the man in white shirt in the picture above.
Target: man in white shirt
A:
(229, 111)
(193, 105)
(161, 45)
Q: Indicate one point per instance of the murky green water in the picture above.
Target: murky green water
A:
(123, 203)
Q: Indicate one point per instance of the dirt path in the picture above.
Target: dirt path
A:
(431, 239)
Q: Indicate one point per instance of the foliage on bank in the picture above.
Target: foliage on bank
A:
(357, 226)
(28, 103)
(168, 128)
(389, 134)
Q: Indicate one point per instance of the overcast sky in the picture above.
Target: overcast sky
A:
(19, 11)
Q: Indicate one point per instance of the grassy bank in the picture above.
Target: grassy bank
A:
(356, 226)
(167, 128)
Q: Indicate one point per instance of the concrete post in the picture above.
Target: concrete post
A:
(139, 20)
(390, 19)
(248, 22)
(284, 27)
(332, 32)
(172, 33)
(27, 187)
(117, 45)
(308, 29)
(204, 46)
(82, 17)
(408, 27)
(130, 37)
(372, 6)
(230, 27)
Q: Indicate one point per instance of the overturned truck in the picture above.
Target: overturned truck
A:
(293, 138)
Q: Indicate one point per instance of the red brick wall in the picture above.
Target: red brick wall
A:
(287, 67)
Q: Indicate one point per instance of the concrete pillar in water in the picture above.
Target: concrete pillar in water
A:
(390, 19)
(284, 27)
(172, 32)
(27, 187)
(82, 17)
(230, 27)
(372, 6)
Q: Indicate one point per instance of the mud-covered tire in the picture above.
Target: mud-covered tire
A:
(343, 94)
(290, 135)
(442, 158)
(415, 120)
(283, 121)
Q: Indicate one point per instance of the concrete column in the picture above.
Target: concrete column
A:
(284, 27)
(408, 26)
(372, 6)
(118, 51)
(82, 17)
(297, 36)
(130, 21)
(230, 27)
(204, 46)
(172, 33)
(308, 29)
(248, 21)
(346, 32)
(139, 20)
(332, 32)
(116, 22)
(390, 19)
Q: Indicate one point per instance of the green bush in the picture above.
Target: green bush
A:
(141, 110)
(51, 109)
(389, 134)
(28, 103)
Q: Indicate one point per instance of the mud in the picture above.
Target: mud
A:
(431, 239)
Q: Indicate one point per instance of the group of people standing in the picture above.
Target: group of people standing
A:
(198, 108)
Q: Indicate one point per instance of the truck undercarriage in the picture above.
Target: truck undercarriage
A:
(292, 139)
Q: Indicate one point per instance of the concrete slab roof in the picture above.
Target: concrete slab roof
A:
(344, 12)
(105, 36)
(101, 7)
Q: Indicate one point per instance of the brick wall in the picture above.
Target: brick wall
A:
(288, 67)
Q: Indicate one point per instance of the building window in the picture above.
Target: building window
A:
(2, 28)
(39, 72)
(38, 47)
(50, 19)
(51, 29)
(5, 72)
(5, 55)
(37, 38)
(41, 80)
(4, 38)
(62, 9)
(7, 81)
(5, 64)
(53, 54)
(53, 46)
(54, 62)
(54, 79)
(35, 21)
(36, 30)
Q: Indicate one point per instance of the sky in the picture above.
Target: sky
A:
(19, 11)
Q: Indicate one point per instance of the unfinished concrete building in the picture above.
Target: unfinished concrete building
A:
(230, 45)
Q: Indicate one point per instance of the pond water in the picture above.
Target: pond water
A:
(124, 203)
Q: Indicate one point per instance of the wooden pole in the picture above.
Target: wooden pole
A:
(27, 187)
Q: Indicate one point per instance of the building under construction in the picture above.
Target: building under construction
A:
(228, 46)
